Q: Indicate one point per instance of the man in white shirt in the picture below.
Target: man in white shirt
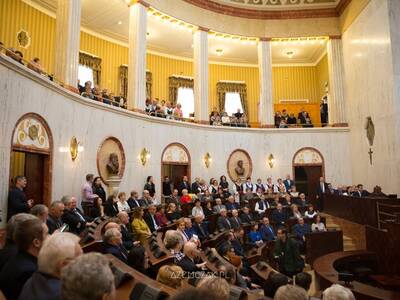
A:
(261, 206)
(249, 185)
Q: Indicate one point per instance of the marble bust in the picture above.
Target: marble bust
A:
(239, 169)
(113, 165)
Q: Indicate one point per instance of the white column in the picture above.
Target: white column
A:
(200, 43)
(266, 106)
(336, 104)
(137, 55)
(68, 26)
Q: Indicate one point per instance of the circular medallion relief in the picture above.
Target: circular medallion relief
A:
(239, 165)
(110, 159)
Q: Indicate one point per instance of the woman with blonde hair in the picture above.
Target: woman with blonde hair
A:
(139, 226)
(170, 275)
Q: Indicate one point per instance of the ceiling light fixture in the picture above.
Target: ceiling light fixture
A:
(289, 54)
(219, 52)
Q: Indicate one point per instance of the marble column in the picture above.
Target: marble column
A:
(336, 105)
(137, 55)
(68, 26)
(266, 106)
(200, 43)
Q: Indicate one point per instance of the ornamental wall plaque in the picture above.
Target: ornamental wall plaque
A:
(23, 38)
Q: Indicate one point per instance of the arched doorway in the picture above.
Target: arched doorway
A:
(308, 167)
(31, 156)
(175, 163)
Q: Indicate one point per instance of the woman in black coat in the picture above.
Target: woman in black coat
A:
(98, 189)
(150, 186)
(111, 206)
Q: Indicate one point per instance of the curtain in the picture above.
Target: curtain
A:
(175, 83)
(123, 81)
(92, 62)
(231, 87)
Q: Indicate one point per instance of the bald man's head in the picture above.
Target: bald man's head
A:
(190, 250)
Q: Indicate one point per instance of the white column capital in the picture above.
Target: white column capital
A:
(137, 55)
(68, 26)
(200, 54)
(266, 106)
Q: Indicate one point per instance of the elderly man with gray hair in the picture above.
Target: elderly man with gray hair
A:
(112, 244)
(337, 292)
(41, 211)
(56, 252)
(88, 277)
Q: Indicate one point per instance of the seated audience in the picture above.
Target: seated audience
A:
(111, 206)
(161, 217)
(216, 284)
(291, 120)
(295, 213)
(10, 248)
(197, 210)
(73, 216)
(172, 213)
(300, 230)
(41, 211)
(126, 230)
(150, 186)
(235, 220)
(317, 225)
(279, 216)
(17, 202)
(173, 242)
(208, 210)
(231, 204)
(291, 292)
(139, 226)
(197, 294)
(294, 193)
(286, 252)
(150, 218)
(301, 201)
(310, 212)
(304, 280)
(255, 237)
(180, 228)
(178, 114)
(223, 222)
(57, 251)
(123, 203)
(266, 230)
(200, 228)
(273, 283)
(29, 236)
(171, 276)
(337, 292)
(261, 206)
(185, 198)
(188, 261)
(112, 244)
(98, 189)
(147, 199)
(54, 220)
(97, 211)
(237, 241)
(245, 216)
(15, 55)
(218, 206)
(139, 260)
(35, 65)
(88, 277)
(189, 230)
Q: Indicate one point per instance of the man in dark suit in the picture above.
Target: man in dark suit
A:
(235, 220)
(188, 263)
(134, 200)
(196, 186)
(231, 204)
(364, 193)
(45, 284)
(185, 184)
(126, 230)
(279, 216)
(54, 220)
(322, 188)
(17, 202)
(223, 222)
(150, 218)
(288, 183)
(29, 236)
(300, 230)
(245, 216)
(167, 187)
(73, 216)
(266, 230)
(112, 244)
(199, 228)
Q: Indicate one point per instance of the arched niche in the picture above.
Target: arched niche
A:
(32, 156)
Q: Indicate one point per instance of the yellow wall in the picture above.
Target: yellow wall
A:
(322, 77)
(288, 82)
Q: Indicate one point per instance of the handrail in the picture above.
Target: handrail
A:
(381, 213)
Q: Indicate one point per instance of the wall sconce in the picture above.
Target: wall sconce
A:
(271, 161)
(73, 148)
(144, 156)
(207, 160)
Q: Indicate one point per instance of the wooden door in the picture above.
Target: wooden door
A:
(307, 179)
(175, 173)
(34, 173)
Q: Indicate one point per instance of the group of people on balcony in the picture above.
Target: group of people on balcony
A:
(237, 119)
(101, 95)
(285, 120)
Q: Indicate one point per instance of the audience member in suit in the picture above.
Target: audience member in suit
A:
(261, 206)
(56, 252)
(150, 186)
(112, 244)
(273, 283)
(195, 188)
(172, 214)
(248, 195)
(29, 236)
(161, 217)
(167, 187)
(322, 188)
(189, 230)
(185, 184)
(10, 249)
(73, 216)
(98, 189)
(200, 229)
(300, 230)
(188, 261)
(54, 220)
(134, 200)
(279, 216)
(364, 193)
(231, 204)
(255, 238)
(147, 199)
(111, 206)
(150, 218)
(237, 241)
(17, 202)
(286, 251)
(208, 210)
(288, 183)
(174, 198)
(126, 230)
(218, 206)
(266, 230)
(235, 220)
(180, 228)
(245, 216)
(223, 222)
(302, 201)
